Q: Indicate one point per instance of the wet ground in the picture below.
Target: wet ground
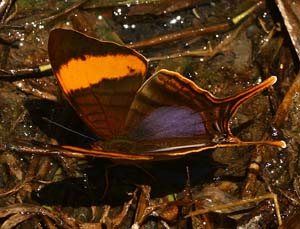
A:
(56, 191)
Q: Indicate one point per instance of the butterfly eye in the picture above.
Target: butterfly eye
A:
(220, 138)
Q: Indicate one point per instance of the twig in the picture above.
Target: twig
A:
(241, 202)
(220, 27)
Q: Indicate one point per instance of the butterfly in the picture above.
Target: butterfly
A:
(163, 117)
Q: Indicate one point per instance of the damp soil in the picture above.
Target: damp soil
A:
(62, 192)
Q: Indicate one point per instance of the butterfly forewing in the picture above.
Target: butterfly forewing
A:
(100, 79)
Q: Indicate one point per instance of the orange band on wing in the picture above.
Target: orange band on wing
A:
(78, 73)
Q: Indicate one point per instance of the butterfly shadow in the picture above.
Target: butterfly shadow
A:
(106, 182)
(59, 121)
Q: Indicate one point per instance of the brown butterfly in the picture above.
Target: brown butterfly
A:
(163, 117)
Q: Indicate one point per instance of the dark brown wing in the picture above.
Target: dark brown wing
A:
(99, 78)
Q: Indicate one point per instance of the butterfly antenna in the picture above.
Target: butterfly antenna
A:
(68, 129)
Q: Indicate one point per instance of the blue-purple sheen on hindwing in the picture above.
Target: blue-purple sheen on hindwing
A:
(169, 122)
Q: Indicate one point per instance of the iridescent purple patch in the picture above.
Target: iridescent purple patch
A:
(169, 122)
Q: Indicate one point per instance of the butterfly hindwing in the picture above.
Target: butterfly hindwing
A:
(172, 109)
